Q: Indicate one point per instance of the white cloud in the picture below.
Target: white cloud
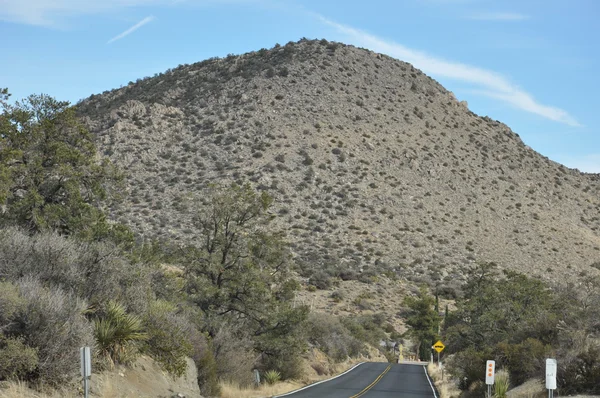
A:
(485, 82)
(54, 12)
(497, 16)
(132, 29)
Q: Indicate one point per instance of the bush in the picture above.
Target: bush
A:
(321, 280)
(365, 328)
(167, 337)
(501, 384)
(94, 271)
(17, 360)
(525, 360)
(272, 376)
(11, 302)
(117, 334)
(234, 355)
(337, 296)
(53, 323)
(466, 367)
(581, 374)
(206, 365)
(330, 336)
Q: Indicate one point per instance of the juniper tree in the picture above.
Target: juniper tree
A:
(51, 177)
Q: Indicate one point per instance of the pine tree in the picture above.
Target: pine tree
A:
(51, 177)
(423, 320)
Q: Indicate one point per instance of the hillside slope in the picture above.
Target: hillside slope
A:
(373, 165)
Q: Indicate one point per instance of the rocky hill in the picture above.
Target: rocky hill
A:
(374, 167)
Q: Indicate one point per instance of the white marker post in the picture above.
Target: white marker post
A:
(490, 374)
(551, 368)
(86, 368)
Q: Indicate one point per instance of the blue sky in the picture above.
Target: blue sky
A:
(532, 64)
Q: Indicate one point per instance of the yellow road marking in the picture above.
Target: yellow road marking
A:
(367, 388)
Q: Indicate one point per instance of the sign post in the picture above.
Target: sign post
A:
(86, 368)
(439, 347)
(256, 377)
(490, 374)
(551, 367)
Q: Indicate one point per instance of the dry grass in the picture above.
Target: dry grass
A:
(445, 387)
(529, 389)
(21, 390)
(230, 390)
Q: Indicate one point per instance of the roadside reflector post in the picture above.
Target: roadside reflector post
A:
(551, 368)
(256, 377)
(86, 368)
(490, 373)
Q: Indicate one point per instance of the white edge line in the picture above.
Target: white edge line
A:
(429, 380)
(319, 382)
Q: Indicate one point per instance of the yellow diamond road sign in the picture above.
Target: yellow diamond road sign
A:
(439, 346)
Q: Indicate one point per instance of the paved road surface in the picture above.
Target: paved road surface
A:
(373, 380)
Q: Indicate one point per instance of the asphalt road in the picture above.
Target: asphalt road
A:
(373, 380)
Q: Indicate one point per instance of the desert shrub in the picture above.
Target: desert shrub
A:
(51, 315)
(390, 356)
(234, 355)
(17, 360)
(272, 376)
(328, 334)
(94, 271)
(321, 280)
(167, 337)
(337, 296)
(501, 383)
(365, 328)
(206, 365)
(320, 368)
(290, 367)
(348, 275)
(466, 366)
(11, 302)
(525, 360)
(581, 374)
(118, 334)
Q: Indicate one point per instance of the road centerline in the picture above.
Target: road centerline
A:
(367, 388)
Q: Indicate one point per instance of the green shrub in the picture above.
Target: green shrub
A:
(330, 336)
(206, 365)
(117, 334)
(466, 366)
(17, 360)
(581, 374)
(366, 328)
(337, 296)
(501, 383)
(524, 360)
(94, 271)
(321, 280)
(234, 354)
(53, 323)
(167, 337)
(272, 376)
(11, 302)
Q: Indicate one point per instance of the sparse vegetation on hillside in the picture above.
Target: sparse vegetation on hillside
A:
(373, 166)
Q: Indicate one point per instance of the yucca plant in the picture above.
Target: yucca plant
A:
(501, 384)
(116, 334)
(272, 376)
